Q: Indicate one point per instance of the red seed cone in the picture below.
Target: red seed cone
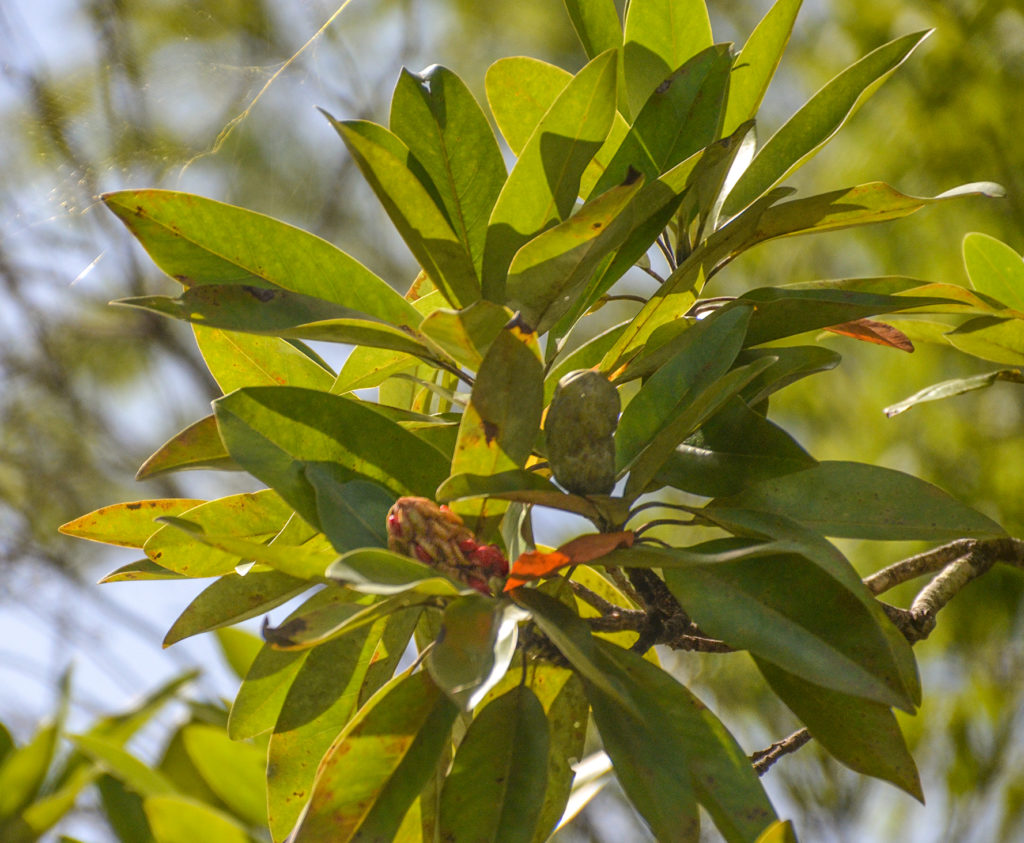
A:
(436, 536)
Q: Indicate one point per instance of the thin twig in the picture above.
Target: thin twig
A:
(917, 566)
(763, 759)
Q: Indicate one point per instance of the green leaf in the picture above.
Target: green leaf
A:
(791, 364)
(733, 449)
(367, 367)
(672, 752)
(232, 599)
(233, 770)
(680, 118)
(380, 571)
(702, 354)
(466, 335)
(685, 422)
(258, 310)
(390, 169)
(198, 446)
(818, 550)
(994, 268)
(137, 775)
(660, 35)
(24, 769)
(274, 432)
(778, 832)
(438, 119)
(542, 187)
(789, 610)
(856, 500)
(236, 360)
(256, 516)
(571, 635)
(990, 338)
(141, 569)
(321, 700)
(378, 765)
(239, 649)
(477, 640)
(519, 485)
(756, 63)
(596, 23)
(862, 734)
(549, 273)
(199, 241)
(177, 819)
(502, 420)
(818, 120)
(956, 386)
(780, 312)
(352, 514)
(864, 204)
(266, 685)
(122, 809)
(126, 524)
(520, 90)
(496, 786)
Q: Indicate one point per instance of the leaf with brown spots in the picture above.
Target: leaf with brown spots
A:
(126, 524)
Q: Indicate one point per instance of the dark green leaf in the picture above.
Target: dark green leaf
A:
(789, 610)
(862, 734)
(496, 786)
(378, 765)
(200, 241)
(352, 514)
(734, 448)
(390, 169)
(791, 364)
(198, 446)
(473, 651)
(818, 120)
(519, 485)
(380, 571)
(699, 356)
(543, 186)
(855, 500)
(274, 432)
(440, 122)
(676, 752)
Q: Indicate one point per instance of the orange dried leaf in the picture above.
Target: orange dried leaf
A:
(534, 564)
(869, 330)
(595, 545)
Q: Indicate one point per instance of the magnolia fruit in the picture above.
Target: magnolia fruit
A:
(580, 430)
(436, 536)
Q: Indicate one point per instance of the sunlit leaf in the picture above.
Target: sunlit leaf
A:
(994, 268)
(660, 35)
(543, 186)
(436, 116)
(378, 765)
(233, 770)
(990, 338)
(198, 446)
(177, 819)
(126, 524)
(389, 168)
(818, 120)
(520, 90)
(757, 61)
(467, 334)
(238, 359)
(200, 241)
(273, 431)
(239, 648)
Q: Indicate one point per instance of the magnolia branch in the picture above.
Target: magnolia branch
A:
(661, 620)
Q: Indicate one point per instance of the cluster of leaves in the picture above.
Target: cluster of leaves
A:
(203, 785)
(648, 150)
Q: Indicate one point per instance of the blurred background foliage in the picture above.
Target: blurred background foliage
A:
(98, 95)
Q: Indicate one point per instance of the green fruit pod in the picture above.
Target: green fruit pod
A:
(580, 427)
